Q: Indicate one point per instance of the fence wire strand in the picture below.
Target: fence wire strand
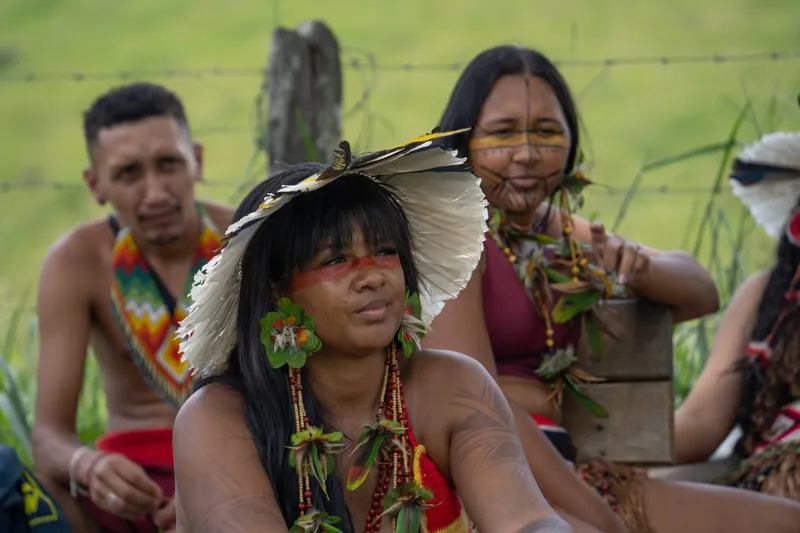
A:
(7, 186)
(355, 62)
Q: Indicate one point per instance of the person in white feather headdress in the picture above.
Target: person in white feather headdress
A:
(304, 334)
(752, 378)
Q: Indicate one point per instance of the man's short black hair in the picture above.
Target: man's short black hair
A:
(131, 103)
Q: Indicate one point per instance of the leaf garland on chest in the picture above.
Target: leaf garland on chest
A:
(564, 284)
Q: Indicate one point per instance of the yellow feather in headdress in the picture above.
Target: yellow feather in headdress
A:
(435, 134)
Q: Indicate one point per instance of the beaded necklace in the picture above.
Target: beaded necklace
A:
(558, 266)
(395, 475)
(541, 270)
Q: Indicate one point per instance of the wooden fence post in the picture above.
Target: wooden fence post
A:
(304, 83)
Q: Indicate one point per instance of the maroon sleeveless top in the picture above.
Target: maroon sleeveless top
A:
(516, 329)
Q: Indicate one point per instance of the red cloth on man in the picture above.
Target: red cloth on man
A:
(150, 448)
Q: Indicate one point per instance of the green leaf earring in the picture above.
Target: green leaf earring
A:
(412, 329)
(288, 335)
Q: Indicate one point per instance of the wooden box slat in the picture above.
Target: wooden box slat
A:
(644, 348)
(638, 430)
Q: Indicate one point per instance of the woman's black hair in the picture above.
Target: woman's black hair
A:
(286, 242)
(477, 80)
(765, 390)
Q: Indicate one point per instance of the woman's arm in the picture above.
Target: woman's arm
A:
(707, 415)
(671, 278)
(487, 462)
(461, 328)
(220, 484)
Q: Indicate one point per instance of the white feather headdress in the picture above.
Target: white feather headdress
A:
(444, 204)
(766, 178)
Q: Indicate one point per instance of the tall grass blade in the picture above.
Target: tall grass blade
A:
(12, 407)
(722, 172)
(685, 156)
(630, 194)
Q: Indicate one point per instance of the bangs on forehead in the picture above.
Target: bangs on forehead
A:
(338, 229)
(331, 216)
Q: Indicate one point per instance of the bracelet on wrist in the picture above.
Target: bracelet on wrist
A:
(92, 464)
(76, 488)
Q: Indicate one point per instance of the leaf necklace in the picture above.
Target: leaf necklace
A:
(384, 441)
(557, 265)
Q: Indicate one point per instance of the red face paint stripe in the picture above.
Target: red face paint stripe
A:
(330, 273)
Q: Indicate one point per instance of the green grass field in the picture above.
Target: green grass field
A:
(632, 114)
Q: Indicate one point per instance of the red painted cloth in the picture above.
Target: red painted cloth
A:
(150, 448)
(558, 437)
(446, 515)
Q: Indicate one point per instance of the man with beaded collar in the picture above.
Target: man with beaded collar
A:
(119, 285)
(752, 377)
(313, 396)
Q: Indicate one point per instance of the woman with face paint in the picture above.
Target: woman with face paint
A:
(315, 409)
(523, 142)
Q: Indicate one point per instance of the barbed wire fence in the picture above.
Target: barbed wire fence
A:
(9, 185)
(367, 68)
(359, 64)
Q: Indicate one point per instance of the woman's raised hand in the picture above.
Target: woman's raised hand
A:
(622, 258)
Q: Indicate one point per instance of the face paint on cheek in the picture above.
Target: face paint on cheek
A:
(489, 177)
(337, 272)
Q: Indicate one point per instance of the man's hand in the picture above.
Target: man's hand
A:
(121, 487)
(625, 258)
(164, 518)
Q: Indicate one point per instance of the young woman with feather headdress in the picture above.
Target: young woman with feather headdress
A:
(752, 377)
(316, 409)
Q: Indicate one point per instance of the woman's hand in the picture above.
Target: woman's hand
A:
(672, 278)
(626, 259)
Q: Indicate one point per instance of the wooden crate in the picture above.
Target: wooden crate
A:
(644, 350)
(639, 427)
(638, 391)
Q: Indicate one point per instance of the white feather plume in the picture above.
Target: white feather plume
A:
(779, 148)
(772, 200)
(447, 212)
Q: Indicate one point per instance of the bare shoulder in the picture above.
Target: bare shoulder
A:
(215, 407)
(221, 214)
(743, 306)
(222, 483)
(754, 286)
(444, 377)
(78, 252)
(83, 242)
(446, 366)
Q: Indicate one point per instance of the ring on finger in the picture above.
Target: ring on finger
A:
(111, 499)
(638, 258)
(621, 250)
